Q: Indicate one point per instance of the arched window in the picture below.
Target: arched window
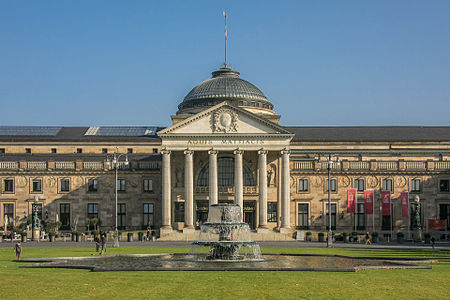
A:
(225, 174)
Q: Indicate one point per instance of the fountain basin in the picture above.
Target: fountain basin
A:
(198, 262)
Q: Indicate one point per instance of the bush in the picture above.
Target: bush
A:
(129, 234)
(23, 233)
(52, 234)
(400, 235)
(374, 234)
(321, 234)
(354, 233)
(346, 234)
(309, 233)
(427, 235)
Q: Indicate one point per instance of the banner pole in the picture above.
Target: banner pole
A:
(373, 210)
(356, 207)
(392, 218)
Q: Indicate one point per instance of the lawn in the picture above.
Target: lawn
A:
(80, 284)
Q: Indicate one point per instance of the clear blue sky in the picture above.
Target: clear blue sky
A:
(132, 62)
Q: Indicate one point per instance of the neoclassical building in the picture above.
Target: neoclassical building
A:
(225, 144)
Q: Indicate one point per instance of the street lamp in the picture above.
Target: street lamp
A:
(113, 160)
(330, 164)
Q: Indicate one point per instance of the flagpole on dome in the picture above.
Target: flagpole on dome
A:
(226, 37)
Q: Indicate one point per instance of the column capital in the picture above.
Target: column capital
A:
(286, 151)
(238, 151)
(165, 151)
(262, 151)
(213, 152)
(187, 151)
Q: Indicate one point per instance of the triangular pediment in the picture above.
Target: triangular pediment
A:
(224, 119)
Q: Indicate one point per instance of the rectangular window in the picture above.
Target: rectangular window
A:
(2, 150)
(28, 150)
(333, 216)
(303, 215)
(64, 216)
(8, 214)
(148, 185)
(272, 212)
(360, 217)
(444, 185)
(92, 185)
(359, 185)
(8, 186)
(444, 214)
(79, 150)
(148, 214)
(92, 210)
(303, 185)
(179, 211)
(104, 150)
(415, 185)
(130, 150)
(155, 150)
(65, 185)
(121, 185)
(387, 185)
(121, 215)
(53, 150)
(333, 183)
(36, 186)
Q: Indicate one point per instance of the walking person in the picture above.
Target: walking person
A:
(433, 240)
(103, 241)
(18, 249)
(368, 239)
(97, 242)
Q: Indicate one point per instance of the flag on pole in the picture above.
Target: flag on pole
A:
(225, 15)
(368, 202)
(351, 199)
(386, 203)
(405, 203)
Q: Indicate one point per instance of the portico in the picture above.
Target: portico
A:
(234, 145)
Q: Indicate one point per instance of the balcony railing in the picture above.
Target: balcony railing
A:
(37, 165)
(303, 165)
(415, 165)
(64, 165)
(226, 190)
(442, 165)
(359, 165)
(93, 165)
(149, 165)
(387, 165)
(9, 165)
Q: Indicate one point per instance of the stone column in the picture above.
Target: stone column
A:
(188, 191)
(166, 194)
(262, 167)
(239, 181)
(213, 188)
(285, 193)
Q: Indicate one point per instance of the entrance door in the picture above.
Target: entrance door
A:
(250, 214)
(333, 216)
(202, 213)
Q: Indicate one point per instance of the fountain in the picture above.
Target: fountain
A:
(225, 244)
(226, 236)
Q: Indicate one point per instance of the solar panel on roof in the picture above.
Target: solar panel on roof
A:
(29, 130)
(121, 131)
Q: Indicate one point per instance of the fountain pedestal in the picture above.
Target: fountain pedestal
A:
(225, 237)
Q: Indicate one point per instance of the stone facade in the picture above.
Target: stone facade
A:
(226, 152)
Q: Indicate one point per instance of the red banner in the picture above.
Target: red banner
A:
(368, 202)
(351, 199)
(404, 196)
(386, 203)
(436, 224)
